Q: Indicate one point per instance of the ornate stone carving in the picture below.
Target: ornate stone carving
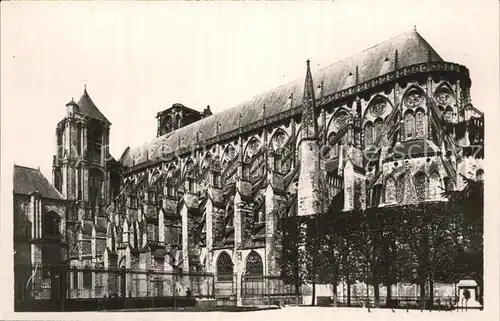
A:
(254, 146)
(414, 99)
(443, 97)
(419, 124)
(278, 140)
(341, 120)
(230, 153)
(378, 109)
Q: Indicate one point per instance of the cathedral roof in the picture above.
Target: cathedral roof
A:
(368, 64)
(88, 108)
(29, 180)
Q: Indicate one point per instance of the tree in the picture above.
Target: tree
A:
(431, 236)
(292, 269)
(468, 204)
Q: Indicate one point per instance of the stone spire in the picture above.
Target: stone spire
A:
(309, 164)
(309, 121)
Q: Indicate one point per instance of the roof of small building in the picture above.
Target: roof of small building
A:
(30, 180)
(371, 63)
(88, 108)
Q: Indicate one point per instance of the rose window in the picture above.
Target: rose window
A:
(413, 100)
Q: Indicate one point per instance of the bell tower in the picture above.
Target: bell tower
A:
(80, 166)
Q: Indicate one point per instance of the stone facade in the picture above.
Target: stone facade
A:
(212, 184)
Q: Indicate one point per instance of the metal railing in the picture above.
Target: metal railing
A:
(59, 288)
(405, 302)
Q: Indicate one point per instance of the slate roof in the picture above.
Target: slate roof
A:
(88, 108)
(372, 62)
(28, 180)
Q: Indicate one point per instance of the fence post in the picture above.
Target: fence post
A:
(213, 285)
(123, 286)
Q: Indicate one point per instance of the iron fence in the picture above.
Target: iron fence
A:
(268, 290)
(410, 302)
(52, 288)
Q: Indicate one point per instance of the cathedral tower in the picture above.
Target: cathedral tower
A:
(80, 168)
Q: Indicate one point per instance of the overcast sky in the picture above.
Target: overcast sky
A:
(140, 58)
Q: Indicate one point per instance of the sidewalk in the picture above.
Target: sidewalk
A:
(200, 309)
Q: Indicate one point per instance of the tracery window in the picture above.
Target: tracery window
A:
(390, 190)
(378, 108)
(420, 185)
(379, 126)
(409, 120)
(224, 267)
(254, 266)
(368, 134)
(419, 123)
(443, 96)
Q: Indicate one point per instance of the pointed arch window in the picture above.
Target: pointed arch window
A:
(379, 126)
(368, 132)
(277, 161)
(434, 186)
(420, 186)
(224, 267)
(409, 125)
(390, 191)
(254, 266)
(334, 152)
(400, 188)
(420, 123)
